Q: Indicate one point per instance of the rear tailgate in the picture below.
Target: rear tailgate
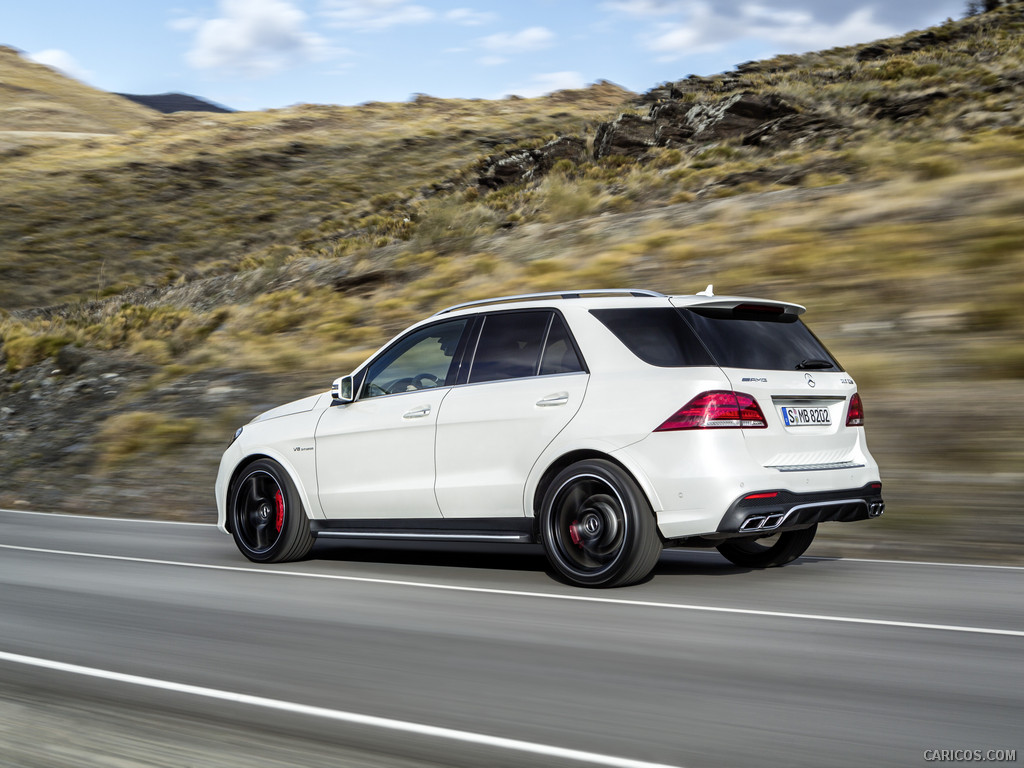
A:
(806, 415)
(768, 353)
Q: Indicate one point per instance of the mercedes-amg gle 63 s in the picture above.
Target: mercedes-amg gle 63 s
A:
(604, 425)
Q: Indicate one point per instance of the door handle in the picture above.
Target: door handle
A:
(417, 413)
(559, 398)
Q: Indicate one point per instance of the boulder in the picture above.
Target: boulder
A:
(736, 115)
(790, 129)
(628, 135)
(903, 107)
(70, 359)
(873, 52)
(525, 164)
(676, 123)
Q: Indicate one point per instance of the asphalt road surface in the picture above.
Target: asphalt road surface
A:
(133, 643)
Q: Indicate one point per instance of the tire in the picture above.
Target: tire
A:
(768, 552)
(597, 527)
(267, 519)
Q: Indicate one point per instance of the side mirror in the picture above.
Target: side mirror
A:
(341, 390)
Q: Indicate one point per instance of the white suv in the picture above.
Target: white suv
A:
(603, 424)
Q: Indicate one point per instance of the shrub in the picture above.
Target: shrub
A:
(24, 348)
(126, 435)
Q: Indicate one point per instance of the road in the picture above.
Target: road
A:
(134, 643)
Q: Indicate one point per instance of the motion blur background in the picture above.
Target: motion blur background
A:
(165, 277)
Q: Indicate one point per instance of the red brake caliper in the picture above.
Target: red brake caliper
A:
(574, 534)
(279, 508)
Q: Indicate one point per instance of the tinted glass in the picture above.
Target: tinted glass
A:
(739, 339)
(419, 361)
(658, 336)
(559, 353)
(509, 346)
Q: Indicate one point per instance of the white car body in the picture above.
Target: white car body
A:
(463, 454)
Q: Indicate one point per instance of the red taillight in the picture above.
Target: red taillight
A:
(751, 496)
(717, 410)
(855, 416)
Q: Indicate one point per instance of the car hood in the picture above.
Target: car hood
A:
(296, 406)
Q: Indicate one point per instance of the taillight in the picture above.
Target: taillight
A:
(717, 410)
(855, 416)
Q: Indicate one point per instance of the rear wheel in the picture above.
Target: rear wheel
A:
(767, 552)
(267, 519)
(597, 527)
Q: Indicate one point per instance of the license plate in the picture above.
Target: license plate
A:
(806, 417)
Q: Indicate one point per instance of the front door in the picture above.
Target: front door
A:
(375, 455)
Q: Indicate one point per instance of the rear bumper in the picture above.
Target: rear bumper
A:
(769, 512)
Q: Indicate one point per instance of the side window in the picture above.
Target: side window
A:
(419, 361)
(509, 346)
(514, 345)
(559, 353)
(657, 336)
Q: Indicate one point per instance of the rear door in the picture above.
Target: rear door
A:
(525, 383)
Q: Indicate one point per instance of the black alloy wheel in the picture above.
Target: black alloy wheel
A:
(267, 518)
(597, 527)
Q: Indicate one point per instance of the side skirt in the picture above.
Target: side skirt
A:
(482, 529)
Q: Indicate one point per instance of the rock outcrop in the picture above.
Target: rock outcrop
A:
(675, 122)
(525, 164)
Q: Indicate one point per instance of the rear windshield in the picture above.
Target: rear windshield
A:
(730, 338)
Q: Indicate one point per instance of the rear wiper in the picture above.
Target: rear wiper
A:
(813, 364)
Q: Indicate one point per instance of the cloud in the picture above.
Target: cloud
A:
(62, 61)
(255, 38)
(491, 61)
(548, 82)
(373, 14)
(800, 30)
(185, 23)
(646, 7)
(529, 39)
(468, 17)
(701, 27)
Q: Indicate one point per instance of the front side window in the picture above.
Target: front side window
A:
(421, 360)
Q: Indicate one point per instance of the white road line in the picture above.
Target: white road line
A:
(919, 562)
(542, 595)
(109, 519)
(690, 552)
(338, 715)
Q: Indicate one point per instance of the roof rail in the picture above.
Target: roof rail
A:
(554, 295)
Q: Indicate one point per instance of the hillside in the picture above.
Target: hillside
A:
(34, 97)
(165, 284)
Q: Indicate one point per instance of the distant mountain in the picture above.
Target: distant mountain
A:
(174, 102)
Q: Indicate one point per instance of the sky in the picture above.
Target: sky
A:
(260, 54)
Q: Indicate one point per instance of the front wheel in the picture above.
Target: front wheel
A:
(767, 552)
(597, 527)
(267, 519)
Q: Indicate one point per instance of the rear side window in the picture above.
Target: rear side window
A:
(559, 353)
(514, 345)
(739, 338)
(658, 336)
